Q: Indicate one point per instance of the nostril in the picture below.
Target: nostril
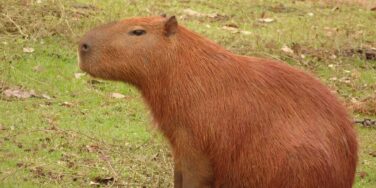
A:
(85, 47)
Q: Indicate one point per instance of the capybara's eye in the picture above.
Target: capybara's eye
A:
(137, 32)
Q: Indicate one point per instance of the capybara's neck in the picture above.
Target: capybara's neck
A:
(182, 73)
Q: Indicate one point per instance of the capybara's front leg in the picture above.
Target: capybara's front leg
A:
(196, 172)
(178, 176)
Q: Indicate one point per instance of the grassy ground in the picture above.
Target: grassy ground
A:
(72, 131)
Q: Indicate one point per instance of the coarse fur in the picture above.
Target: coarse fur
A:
(232, 121)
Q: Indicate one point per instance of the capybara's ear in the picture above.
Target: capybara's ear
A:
(171, 26)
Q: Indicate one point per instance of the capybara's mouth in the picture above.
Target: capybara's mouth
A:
(80, 62)
(83, 62)
(87, 67)
(84, 66)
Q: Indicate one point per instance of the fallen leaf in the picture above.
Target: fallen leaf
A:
(297, 48)
(335, 8)
(28, 50)
(373, 154)
(94, 183)
(92, 148)
(38, 171)
(216, 16)
(233, 30)
(286, 49)
(18, 93)
(310, 14)
(20, 164)
(38, 68)
(102, 181)
(66, 104)
(245, 32)
(117, 95)
(232, 25)
(191, 12)
(19, 145)
(46, 96)
(373, 9)
(266, 20)
(345, 80)
(333, 78)
(78, 75)
(333, 57)
(329, 31)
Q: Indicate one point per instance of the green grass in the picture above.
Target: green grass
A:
(82, 133)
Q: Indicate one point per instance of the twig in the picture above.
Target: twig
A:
(70, 28)
(105, 158)
(16, 25)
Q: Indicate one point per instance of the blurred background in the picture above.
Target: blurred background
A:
(62, 128)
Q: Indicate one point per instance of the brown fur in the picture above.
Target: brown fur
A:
(232, 121)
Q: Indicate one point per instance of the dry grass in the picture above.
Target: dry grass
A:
(368, 4)
(32, 20)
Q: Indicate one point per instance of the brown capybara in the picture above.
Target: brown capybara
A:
(232, 121)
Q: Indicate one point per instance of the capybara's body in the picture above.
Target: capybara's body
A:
(232, 121)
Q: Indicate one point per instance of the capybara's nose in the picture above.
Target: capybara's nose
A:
(84, 47)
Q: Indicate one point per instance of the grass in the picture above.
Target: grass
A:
(82, 136)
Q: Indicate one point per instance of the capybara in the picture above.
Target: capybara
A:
(232, 121)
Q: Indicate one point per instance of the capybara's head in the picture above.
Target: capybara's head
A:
(126, 49)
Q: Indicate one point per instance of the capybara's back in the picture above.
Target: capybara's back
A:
(232, 121)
